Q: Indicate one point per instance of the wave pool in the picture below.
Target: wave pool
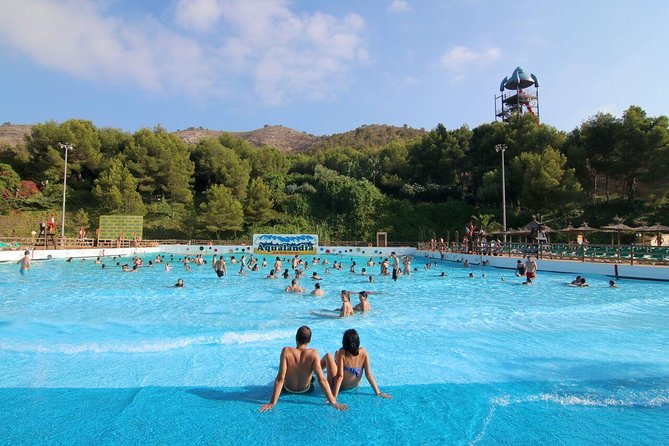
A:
(93, 356)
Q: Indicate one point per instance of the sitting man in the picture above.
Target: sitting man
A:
(296, 369)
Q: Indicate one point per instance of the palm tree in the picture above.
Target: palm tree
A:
(486, 223)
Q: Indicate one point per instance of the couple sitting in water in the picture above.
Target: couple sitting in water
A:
(347, 309)
(344, 370)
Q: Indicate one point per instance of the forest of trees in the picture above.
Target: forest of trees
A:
(414, 187)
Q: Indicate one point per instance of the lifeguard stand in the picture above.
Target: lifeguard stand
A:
(519, 94)
(44, 236)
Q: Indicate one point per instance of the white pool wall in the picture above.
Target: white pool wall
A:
(209, 250)
(48, 254)
(624, 270)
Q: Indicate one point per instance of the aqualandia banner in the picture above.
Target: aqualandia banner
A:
(285, 243)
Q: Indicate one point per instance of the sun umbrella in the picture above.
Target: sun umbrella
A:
(617, 228)
(655, 228)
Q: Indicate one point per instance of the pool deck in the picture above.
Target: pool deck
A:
(619, 270)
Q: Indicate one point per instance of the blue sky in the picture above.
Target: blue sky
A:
(325, 66)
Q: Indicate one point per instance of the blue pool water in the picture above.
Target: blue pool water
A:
(91, 356)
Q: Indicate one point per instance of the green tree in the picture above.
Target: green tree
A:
(10, 182)
(486, 222)
(217, 164)
(598, 138)
(221, 212)
(258, 209)
(439, 157)
(47, 157)
(351, 205)
(116, 191)
(161, 162)
(80, 218)
(643, 147)
(546, 182)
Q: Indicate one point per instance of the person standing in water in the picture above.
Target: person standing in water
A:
(221, 267)
(344, 370)
(530, 270)
(24, 262)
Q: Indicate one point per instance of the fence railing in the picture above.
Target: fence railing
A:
(55, 242)
(653, 255)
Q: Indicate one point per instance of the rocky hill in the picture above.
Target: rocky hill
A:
(283, 138)
(373, 135)
(13, 134)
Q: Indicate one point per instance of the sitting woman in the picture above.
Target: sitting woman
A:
(344, 370)
(346, 308)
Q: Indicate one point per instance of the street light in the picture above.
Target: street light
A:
(502, 148)
(65, 147)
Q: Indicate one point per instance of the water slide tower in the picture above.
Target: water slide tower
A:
(519, 94)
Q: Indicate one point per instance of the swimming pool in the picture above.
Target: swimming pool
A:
(92, 356)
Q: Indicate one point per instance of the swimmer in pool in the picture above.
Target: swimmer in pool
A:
(345, 369)
(24, 262)
(179, 284)
(296, 369)
(271, 274)
(346, 307)
(364, 305)
(221, 267)
(294, 287)
(315, 276)
(612, 284)
(317, 291)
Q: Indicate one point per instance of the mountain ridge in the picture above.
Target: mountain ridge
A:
(285, 139)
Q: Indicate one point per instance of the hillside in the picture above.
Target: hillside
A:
(285, 139)
(373, 135)
(13, 134)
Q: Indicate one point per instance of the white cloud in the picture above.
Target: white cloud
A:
(461, 58)
(199, 15)
(282, 54)
(75, 37)
(399, 6)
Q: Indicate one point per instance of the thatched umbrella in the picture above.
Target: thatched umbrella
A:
(656, 228)
(583, 229)
(540, 229)
(617, 228)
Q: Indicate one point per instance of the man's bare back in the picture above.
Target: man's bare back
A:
(300, 363)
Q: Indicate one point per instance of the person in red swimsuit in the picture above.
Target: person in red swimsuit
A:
(52, 224)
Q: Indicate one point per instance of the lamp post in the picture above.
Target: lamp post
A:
(502, 148)
(65, 147)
